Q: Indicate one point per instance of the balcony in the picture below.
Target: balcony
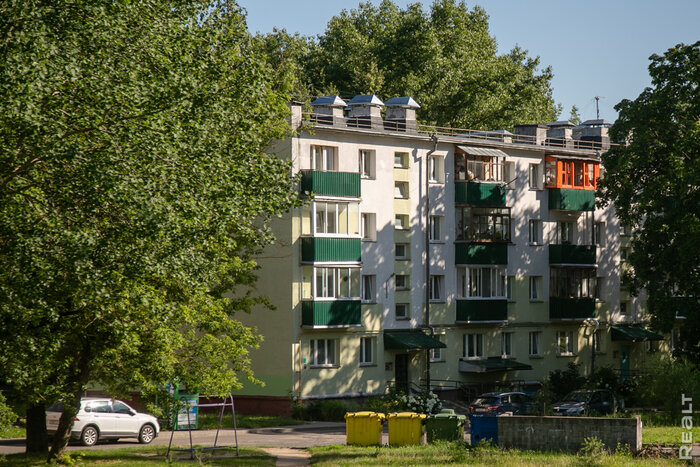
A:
(344, 184)
(338, 313)
(571, 308)
(480, 194)
(572, 254)
(481, 253)
(569, 199)
(481, 310)
(317, 249)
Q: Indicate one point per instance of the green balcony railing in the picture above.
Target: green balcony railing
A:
(335, 313)
(571, 308)
(482, 310)
(345, 184)
(330, 249)
(480, 194)
(568, 199)
(481, 253)
(572, 254)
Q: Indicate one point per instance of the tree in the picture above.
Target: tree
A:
(444, 58)
(575, 118)
(134, 191)
(653, 181)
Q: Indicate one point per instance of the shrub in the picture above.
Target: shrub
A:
(324, 410)
(7, 416)
(397, 401)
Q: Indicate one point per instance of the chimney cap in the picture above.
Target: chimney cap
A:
(407, 102)
(560, 124)
(329, 100)
(365, 99)
(596, 122)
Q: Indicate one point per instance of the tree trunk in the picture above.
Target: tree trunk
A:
(37, 438)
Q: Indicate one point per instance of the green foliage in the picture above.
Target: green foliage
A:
(653, 183)
(575, 118)
(398, 401)
(7, 416)
(444, 58)
(324, 410)
(134, 191)
(592, 447)
(563, 382)
(667, 381)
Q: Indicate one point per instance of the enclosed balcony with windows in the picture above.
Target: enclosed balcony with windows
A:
(483, 234)
(331, 296)
(572, 292)
(330, 231)
(482, 294)
(571, 183)
(480, 176)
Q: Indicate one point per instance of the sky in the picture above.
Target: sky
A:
(595, 47)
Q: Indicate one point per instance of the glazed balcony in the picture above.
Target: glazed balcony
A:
(480, 194)
(343, 184)
(317, 249)
(571, 199)
(338, 313)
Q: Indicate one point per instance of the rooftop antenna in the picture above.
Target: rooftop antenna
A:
(597, 110)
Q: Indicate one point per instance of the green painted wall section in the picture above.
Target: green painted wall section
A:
(331, 183)
(480, 194)
(571, 200)
(331, 249)
(335, 313)
(482, 310)
(481, 253)
(571, 308)
(572, 254)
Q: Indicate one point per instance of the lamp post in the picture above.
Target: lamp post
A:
(592, 325)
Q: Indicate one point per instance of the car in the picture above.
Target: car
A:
(585, 402)
(497, 403)
(101, 419)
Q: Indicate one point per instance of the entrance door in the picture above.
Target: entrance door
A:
(401, 372)
(624, 362)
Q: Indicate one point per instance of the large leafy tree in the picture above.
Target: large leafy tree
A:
(653, 181)
(134, 191)
(444, 58)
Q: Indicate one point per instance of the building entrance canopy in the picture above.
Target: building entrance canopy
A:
(634, 333)
(410, 340)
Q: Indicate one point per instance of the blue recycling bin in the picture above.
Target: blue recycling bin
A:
(483, 428)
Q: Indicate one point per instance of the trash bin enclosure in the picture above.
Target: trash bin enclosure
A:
(405, 428)
(445, 426)
(364, 428)
(483, 428)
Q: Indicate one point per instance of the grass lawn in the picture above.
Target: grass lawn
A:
(148, 456)
(666, 434)
(211, 421)
(461, 454)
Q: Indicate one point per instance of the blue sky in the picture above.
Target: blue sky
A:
(595, 47)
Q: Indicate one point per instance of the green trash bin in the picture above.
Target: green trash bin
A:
(445, 426)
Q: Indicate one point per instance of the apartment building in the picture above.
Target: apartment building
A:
(439, 257)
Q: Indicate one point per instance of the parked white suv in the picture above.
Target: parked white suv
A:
(102, 418)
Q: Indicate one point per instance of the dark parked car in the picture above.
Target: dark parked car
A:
(496, 403)
(586, 402)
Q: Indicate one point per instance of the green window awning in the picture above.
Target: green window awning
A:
(410, 340)
(634, 333)
(491, 364)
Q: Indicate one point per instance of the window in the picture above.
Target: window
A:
(473, 346)
(367, 345)
(550, 173)
(482, 282)
(120, 407)
(565, 232)
(401, 251)
(401, 190)
(509, 288)
(567, 173)
(402, 282)
(599, 233)
(336, 218)
(565, 342)
(333, 282)
(479, 168)
(534, 177)
(624, 253)
(624, 308)
(597, 341)
(436, 169)
(626, 230)
(324, 158)
(435, 226)
(535, 231)
(436, 354)
(367, 164)
(535, 288)
(437, 294)
(401, 222)
(401, 160)
(506, 344)
(369, 226)
(535, 343)
(569, 282)
(509, 172)
(323, 352)
(483, 224)
(401, 311)
(369, 288)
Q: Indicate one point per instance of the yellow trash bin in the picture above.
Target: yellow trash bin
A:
(364, 428)
(405, 428)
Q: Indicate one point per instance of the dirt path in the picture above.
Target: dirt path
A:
(287, 457)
